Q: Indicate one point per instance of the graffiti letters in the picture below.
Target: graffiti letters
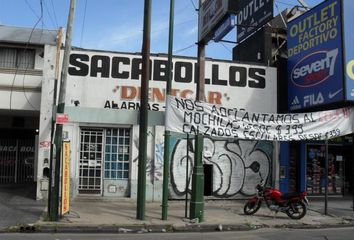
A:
(238, 166)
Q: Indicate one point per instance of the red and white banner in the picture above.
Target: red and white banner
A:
(193, 117)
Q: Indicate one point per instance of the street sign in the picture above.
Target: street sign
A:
(211, 14)
(225, 27)
(62, 118)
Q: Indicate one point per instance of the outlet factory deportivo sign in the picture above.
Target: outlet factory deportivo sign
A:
(112, 81)
(188, 116)
(315, 58)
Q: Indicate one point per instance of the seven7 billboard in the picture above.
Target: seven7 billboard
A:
(315, 72)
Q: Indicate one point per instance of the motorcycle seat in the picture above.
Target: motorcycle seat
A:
(291, 195)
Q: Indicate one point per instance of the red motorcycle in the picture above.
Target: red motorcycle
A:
(293, 204)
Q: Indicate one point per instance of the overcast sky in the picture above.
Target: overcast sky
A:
(117, 24)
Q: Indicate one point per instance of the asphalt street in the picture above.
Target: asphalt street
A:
(261, 234)
(18, 205)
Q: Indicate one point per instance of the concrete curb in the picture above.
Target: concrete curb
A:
(152, 228)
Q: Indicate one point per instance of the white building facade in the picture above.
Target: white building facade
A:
(27, 63)
(102, 102)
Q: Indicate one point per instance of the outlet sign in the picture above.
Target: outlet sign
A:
(315, 57)
(252, 14)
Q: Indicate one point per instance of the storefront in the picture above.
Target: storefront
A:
(340, 166)
(304, 166)
(27, 63)
(104, 154)
(312, 88)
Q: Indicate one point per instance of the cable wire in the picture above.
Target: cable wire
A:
(50, 16)
(228, 49)
(55, 15)
(186, 48)
(287, 4)
(195, 7)
(24, 75)
(17, 67)
(83, 23)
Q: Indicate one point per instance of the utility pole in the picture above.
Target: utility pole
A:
(326, 180)
(57, 59)
(54, 202)
(166, 162)
(143, 116)
(197, 199)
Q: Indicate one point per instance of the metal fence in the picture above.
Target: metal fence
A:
(16, 160)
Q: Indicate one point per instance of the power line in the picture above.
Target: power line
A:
(281, 16)
(287, 4)
(195, 8)
(38, 17)
(83, 23)
(50, 16)
(154, 31)
(55, 15)
(17, 67)
(228, 49)
(29, 5)
(186, 48)
(24, 75)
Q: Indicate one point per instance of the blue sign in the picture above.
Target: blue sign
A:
(348, 35)
(315, 70)
(225, 27)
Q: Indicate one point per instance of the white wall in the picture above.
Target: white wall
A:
(46, 105)
(21, 89)
(233, 161)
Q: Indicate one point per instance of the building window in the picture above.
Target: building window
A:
(17, 58)
(117, 153)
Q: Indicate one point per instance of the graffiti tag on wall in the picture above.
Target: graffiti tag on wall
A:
(238, 166)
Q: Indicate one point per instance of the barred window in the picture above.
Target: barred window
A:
(20, 58)
(117, 153)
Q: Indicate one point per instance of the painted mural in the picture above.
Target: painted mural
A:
(238, 166)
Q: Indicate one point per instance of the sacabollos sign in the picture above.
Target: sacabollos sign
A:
(112, 80)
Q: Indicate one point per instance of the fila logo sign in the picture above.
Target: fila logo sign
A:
(314, 68)
(313, 99)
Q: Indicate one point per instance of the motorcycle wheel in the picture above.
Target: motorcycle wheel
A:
(297, 210)
(252, 207)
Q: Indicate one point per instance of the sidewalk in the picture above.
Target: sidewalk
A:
(337, 206)
(18, 205)
(119, 215)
